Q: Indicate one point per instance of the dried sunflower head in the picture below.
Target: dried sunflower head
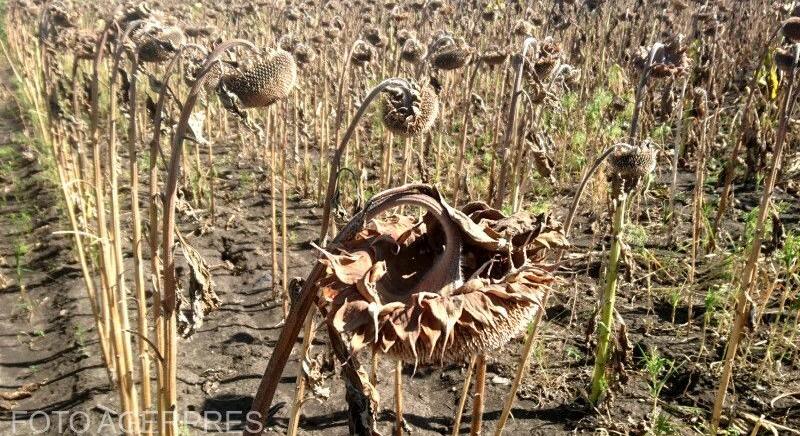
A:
(494, 56)
(448, 53)
(672, 60)
(413, 51)
(410, 110)
(372, 284)
(83, 44)
(548, 57)
(374, 36)
(292, 13)
(629, 165)
(791, 29)
(785, 59)
(524, 28)
(157, 42)
(403, 35)
(288, 42)
(262, 81)
(135, 11)
(303, 54)
(569, 74)
(362, 53)
(200, 31)
(398, 14)
(62, 14)
(539, 62)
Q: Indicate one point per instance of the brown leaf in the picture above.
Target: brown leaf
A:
(202, 295)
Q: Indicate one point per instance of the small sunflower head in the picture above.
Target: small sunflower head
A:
(539, 62)
(494, 56)
(413, 51)
(157, 42)
(303, 54)
(410, 110)
(62, 14)
(629, 165)
(362, 53)
(200, 31)
(133, 12)
(403, 35)
(374, 36)
(292, 13)
(398, 14)
(84, 44)
(524, 28)
(448, 53)
(671, 60)
(548, 56)
(288, 42)
(785, 59)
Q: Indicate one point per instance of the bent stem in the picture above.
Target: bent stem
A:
(599, 381)
(169, 298)
(336, 160)
(155, 265)
(640, 90)
(751, 268)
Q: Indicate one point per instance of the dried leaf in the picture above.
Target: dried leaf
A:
(203, 297)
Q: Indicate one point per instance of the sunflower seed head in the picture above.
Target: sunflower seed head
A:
(264, 80)
(410, 110)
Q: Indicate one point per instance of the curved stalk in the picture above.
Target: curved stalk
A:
(640, 89)
(337, 157)
(155, 264)
(169, 298)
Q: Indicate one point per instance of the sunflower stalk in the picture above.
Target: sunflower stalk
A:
(605, 324)
(747, 281)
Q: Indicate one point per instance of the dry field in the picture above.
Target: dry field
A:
(399, 217)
